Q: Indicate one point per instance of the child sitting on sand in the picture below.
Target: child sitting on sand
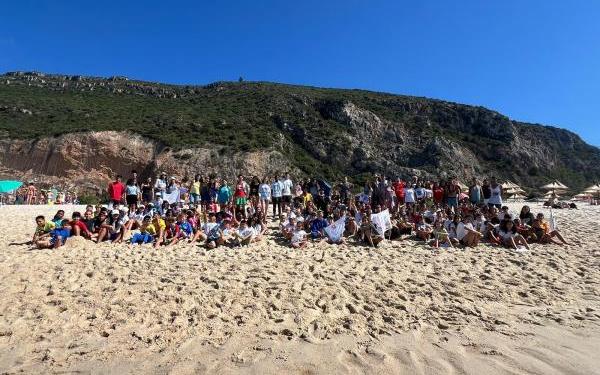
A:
(243, 235)
(147, 232)
(440, 236)
(42, 227)
(508, 235)
(56, 237)
(298, 238)
(543, 232)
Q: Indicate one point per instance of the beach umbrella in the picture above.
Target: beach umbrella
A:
(515, 190)
(507, 185)
(7, 186)
(555, 185)
(462, 186)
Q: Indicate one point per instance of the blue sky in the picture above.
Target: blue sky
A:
(535, 61)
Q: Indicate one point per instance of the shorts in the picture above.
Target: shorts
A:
(194, 198)
(286, 199)
(276, 200)
(240, 201)
(131, 199)
(452, 201)
(497, 205)
(142, 238)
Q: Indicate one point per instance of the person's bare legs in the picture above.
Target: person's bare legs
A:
(557, 234)
(76, 230)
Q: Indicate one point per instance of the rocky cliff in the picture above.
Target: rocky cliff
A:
(84, 129)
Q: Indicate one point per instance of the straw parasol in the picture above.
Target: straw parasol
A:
(507, 185)
(594, 189)
(555, 185)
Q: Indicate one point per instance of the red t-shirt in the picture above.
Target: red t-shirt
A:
(438, 195)
(82, 227)
(115, 190)
(399, 190)
(239, 191)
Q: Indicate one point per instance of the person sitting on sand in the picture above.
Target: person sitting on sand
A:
(160, 227)
(440, 236)
(78, 227)
(424, 230)
(507, 233)
(58, 218)
(172, 232)
(259, 229)
(368, 232)
(56, 237)
(317, 226)
(214, 237)
(526, 216)
(147, 232)
(298, 238)
(466, 233)
(289, 228)
(243, 235)
(42, 227)
(544, 233)
(334, 231)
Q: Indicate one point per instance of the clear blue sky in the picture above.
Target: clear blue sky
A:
(536, 61)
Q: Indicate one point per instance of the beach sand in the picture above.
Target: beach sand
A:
(400, 308)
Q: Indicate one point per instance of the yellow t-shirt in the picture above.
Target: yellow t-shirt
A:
(307, 198)
(159, 224)
(46, 228)
(195, 188)
(150, 229)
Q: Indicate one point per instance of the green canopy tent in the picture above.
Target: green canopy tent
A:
(8, 186)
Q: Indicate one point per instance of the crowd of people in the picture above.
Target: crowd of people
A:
(211, 212)
(30, 194)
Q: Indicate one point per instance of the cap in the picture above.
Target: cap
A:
(114, 212)
(124, 209)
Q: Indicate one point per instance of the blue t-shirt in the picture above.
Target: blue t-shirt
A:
(62, 232)
(131, 190)
(224, 194)
(276, 189)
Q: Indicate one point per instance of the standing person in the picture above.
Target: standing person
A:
(345, 190)
(31, 194)
(276, 195)
(147, 190)
(496, 194)
(224, 195)
(452, 194)
(240, 196)
(286, 192)
(131, 194)
(160, 186)
(195, 190)
(475, 195)
(486, 191)
(264, 191)
(116, 190)
(254, 186)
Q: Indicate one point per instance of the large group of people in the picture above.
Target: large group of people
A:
(213, 212)
(31, 194)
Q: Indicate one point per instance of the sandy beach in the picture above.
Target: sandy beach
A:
(400, 308)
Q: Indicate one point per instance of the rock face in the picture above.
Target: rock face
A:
(89, 160)
(85, 129)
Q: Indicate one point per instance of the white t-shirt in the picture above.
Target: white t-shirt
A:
(496, 197)
(461, 230)
(409, 195)
(245, 232)
(298, 236)
(208, 227)
(505, 235)
(287, 187)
